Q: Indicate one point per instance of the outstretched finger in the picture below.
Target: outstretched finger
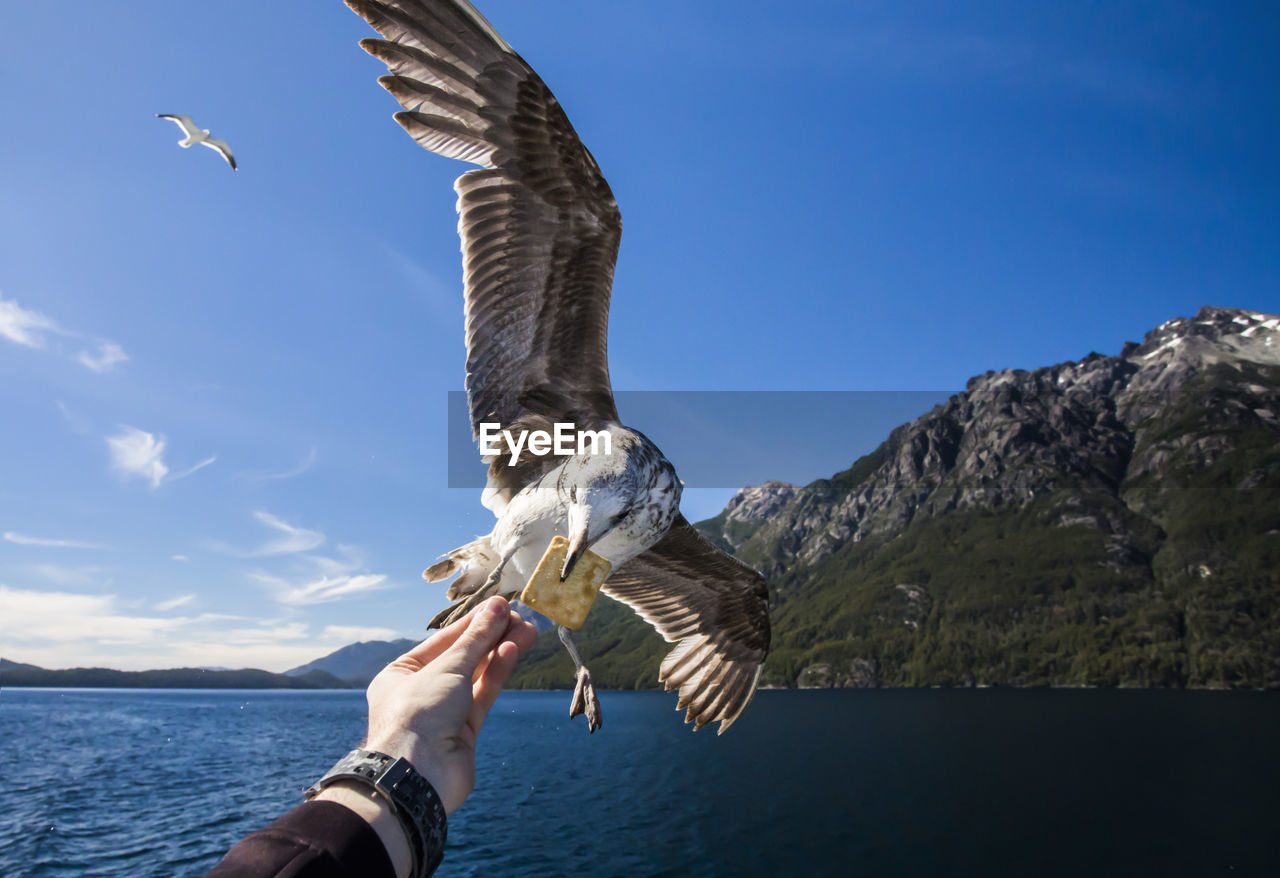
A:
(483, 633)
(515, 633)
(489, 686)
(523, 634)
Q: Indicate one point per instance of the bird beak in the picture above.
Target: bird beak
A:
(577, 545)
(579, 532)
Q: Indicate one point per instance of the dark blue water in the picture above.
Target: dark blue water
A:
(903, 783)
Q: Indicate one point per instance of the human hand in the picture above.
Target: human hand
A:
(429, 704)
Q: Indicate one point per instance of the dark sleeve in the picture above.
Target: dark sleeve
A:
(314, 840)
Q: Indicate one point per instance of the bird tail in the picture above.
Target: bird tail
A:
(473, 563)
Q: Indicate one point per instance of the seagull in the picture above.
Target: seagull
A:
(195, 134)
(540, 231)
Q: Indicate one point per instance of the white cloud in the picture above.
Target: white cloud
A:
(138, 454)
(48, 542)
(179, 557)
(55, 629)
(174, 603)
(109, 355)
(292, 539)
(63, 617)
(28, 328)
(24, 327)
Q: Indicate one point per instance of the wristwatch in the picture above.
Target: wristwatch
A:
(413, 800)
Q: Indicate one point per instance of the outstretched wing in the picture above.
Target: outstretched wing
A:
(221, 147)
(186, 123)
(539, 225)
(714, 607)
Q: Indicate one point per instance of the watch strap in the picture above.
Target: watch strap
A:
(412, 798)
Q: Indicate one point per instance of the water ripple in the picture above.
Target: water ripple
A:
(903, 783)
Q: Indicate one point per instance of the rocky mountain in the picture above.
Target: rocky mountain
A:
(745, 512)
(357, 663)
(1109, 521)
(1013, 436)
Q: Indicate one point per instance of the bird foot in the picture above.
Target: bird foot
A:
(586, 701)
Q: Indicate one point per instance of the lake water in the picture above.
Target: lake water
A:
(894, 782)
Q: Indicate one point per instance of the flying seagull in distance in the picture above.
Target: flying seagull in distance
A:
(195, 134)
(540, 232)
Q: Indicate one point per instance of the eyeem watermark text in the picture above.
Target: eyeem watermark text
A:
(562, 441)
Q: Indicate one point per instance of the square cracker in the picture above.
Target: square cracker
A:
(565, 603)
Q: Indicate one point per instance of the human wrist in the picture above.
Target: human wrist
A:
(404, 744)
(375, 810)
(408, 795)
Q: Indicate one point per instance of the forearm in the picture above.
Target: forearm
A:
(376, 811)
(346, 830)
(382, 813)
(317, 839)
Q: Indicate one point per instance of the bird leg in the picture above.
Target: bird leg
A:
(585, 699)
(460, 608)
(495, 576)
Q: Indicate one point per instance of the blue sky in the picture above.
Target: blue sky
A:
(225, 394)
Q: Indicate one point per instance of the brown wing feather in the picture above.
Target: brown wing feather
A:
(714, 607)
(539, 225)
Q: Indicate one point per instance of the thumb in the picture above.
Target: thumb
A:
(485, 630)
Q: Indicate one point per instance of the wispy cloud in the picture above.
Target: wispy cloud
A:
(174, 603)
(199, 466)
(48, 542)
(78, 423)
(29, 328)
(61, 574)
(325, 589)
(303, 466)
(24, 327)
(321, 590)
(179, 557)
(108, 356)
(291, 540)
(318, 579)
(423, 284)
(138, 454)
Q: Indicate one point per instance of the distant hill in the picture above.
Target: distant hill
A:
(6, 665)
(17, 674)
(357, 663)
(351, 667)
(1113, 521)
